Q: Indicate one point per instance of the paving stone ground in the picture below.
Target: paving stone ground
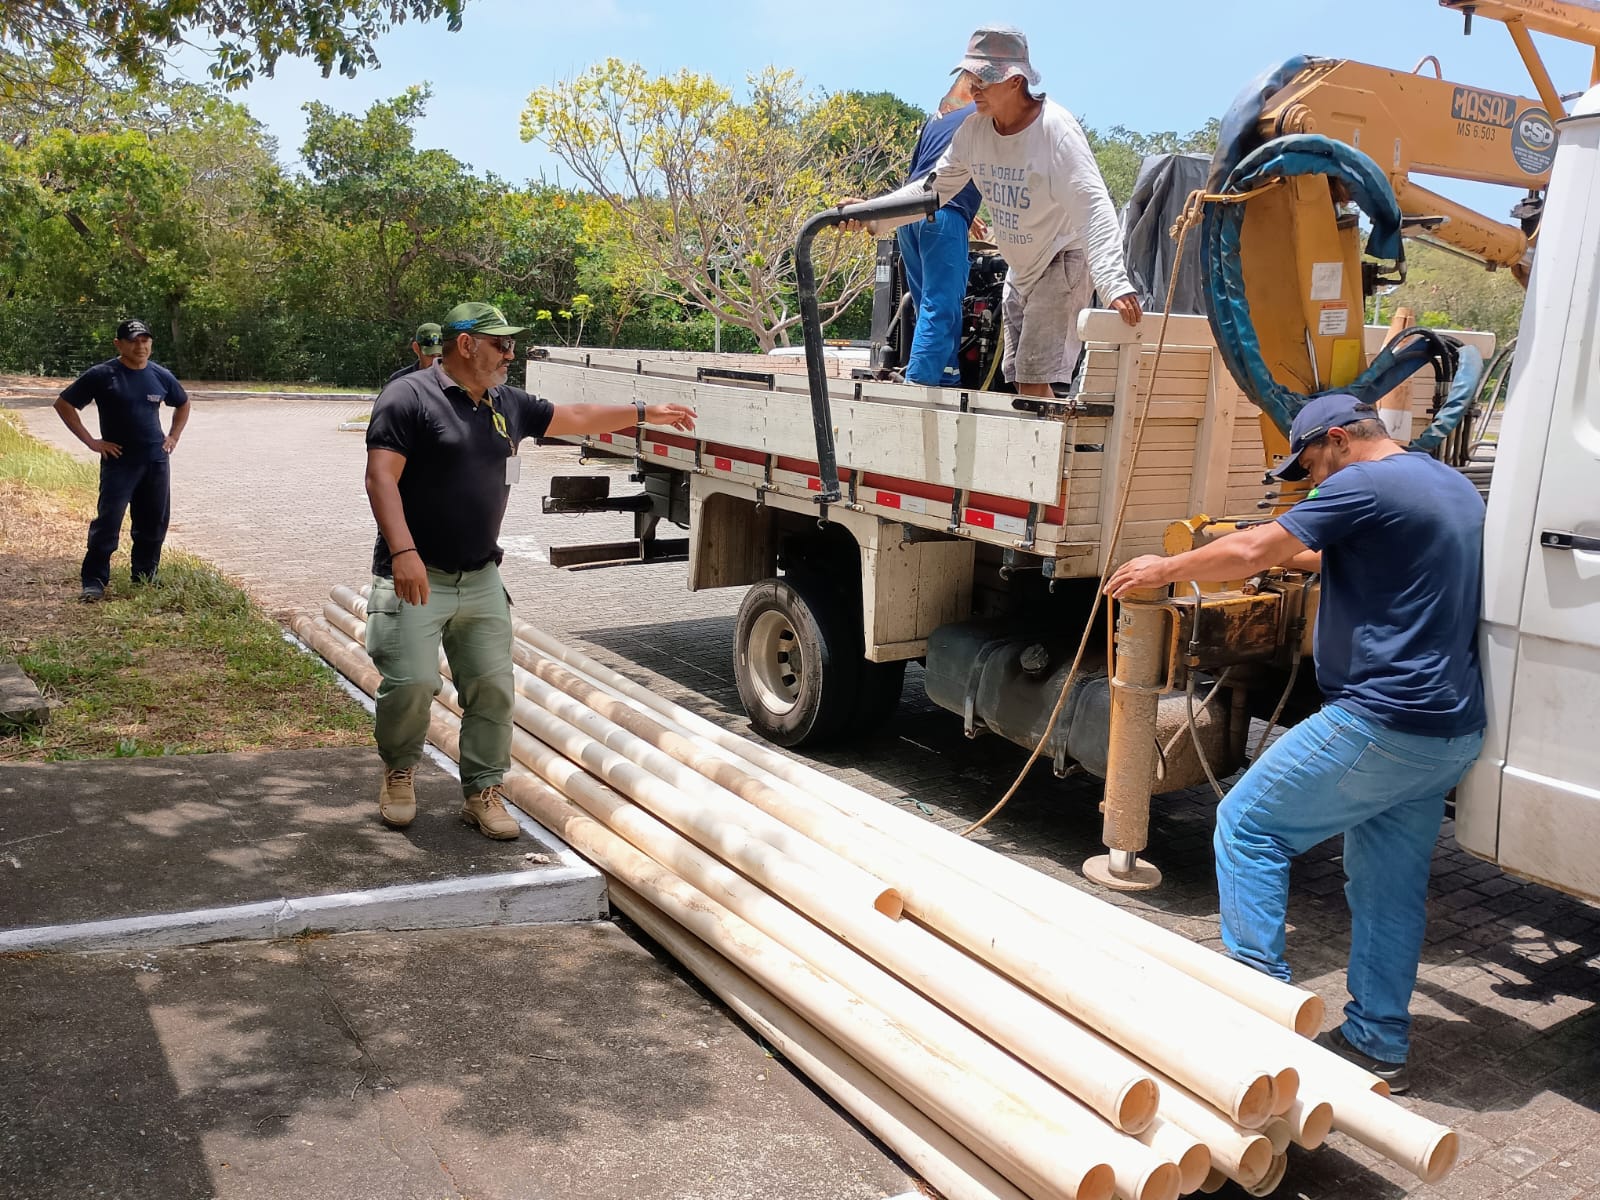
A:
(1507, 1029)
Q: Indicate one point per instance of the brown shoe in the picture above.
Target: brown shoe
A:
(397, 798)
(487, 810)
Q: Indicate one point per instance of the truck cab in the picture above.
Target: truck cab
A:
(1532, 802)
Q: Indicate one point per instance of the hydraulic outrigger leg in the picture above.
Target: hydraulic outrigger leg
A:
(1138, 678)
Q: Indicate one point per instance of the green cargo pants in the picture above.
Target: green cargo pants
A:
(470, 612)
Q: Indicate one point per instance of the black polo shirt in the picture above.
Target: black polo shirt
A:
(453, 488)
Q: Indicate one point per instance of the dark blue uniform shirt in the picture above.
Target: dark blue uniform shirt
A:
(936, 135)
(129, 402)
(1402, 573)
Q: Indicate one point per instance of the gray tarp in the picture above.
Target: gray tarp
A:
(1164, 183)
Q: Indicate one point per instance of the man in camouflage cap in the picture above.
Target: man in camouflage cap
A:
(428, 345)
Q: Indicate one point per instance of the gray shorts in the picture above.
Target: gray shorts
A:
(1041, 328)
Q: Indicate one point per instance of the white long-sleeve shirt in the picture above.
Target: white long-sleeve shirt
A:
(1045, 195)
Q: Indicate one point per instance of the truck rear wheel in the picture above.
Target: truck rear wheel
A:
(797, 661)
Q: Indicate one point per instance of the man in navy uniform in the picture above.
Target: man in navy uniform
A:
(128, 392)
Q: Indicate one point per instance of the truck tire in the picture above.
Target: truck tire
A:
(797, 661)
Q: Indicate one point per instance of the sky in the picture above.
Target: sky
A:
(1149, 65)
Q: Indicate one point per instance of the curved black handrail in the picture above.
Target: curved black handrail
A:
(882, 209)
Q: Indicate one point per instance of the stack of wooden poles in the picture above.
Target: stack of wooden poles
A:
(1005, 1033)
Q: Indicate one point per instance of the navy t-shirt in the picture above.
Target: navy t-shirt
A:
(1402, 568)
(935, 139)
(453, 489)
(129, 402)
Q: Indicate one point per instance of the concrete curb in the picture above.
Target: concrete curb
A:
(544, 896)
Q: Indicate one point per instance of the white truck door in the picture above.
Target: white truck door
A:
(1533, 802)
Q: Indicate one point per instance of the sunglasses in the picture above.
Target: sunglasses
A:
(502, 343)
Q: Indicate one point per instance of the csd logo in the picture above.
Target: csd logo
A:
(1536, 132)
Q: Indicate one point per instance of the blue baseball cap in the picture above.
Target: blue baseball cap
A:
(1312, 423)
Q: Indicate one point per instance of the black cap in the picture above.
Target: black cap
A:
(132, 328)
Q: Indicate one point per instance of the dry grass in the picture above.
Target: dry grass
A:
(190, 666)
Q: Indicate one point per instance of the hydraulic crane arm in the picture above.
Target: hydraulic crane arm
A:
(1411, 123)
(1288, 280)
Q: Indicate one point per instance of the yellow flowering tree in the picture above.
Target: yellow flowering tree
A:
(700, 198)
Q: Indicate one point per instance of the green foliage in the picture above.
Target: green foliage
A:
(28, 460)
(243, 36)
(1450, 292)
(700, 196)
(186, 666)
(1120, 151)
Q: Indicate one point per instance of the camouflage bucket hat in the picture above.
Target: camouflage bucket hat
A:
(997, 52)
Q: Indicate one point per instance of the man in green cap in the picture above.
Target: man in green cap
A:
(441, 460)
(428, 345)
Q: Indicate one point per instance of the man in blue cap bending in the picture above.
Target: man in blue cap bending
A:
(1398, 540)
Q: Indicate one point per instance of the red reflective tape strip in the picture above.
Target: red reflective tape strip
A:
(888, 500)
(722, 464)
(813, 483)
(982, 520)
(605, 437)
(658, 448)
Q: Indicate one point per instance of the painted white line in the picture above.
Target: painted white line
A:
(555, 895)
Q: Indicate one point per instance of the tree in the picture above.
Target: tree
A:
(249, 35)
(1448, 291)
(700, 199)
(1121, 151)
(399, 211)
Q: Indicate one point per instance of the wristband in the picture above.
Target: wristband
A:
(639, 408)
(394, 554)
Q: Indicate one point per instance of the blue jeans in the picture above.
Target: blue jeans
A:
(1337, 772)
(935, 257)
(137, 481)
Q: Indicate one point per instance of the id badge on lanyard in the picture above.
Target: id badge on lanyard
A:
(513, 463)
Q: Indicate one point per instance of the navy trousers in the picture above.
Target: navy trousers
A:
(136, 482)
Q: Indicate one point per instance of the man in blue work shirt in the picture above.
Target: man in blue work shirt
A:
(1398, 538)
(128, 391)
(935, 255)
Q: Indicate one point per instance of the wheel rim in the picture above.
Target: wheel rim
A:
(776, 667)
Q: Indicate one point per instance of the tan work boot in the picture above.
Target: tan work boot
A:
(397, 798)
(487, 810)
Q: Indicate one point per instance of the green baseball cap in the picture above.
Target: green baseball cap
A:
(430, 338)
(474, 317)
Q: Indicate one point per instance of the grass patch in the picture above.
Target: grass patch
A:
(29, 461)
(188, 666)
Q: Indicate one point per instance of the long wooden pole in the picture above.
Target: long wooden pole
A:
(1102, 1076)
(1424, 1147)
(1143, 1175)
(1045, 1159)
(953, 1170)
(1050, 899)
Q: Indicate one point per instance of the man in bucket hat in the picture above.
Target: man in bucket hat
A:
(441, 458)
(1398, 540)
(1052, 217)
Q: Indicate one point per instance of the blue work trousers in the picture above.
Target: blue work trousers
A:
(138, 482)
(1337, 772)
(935, 257)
